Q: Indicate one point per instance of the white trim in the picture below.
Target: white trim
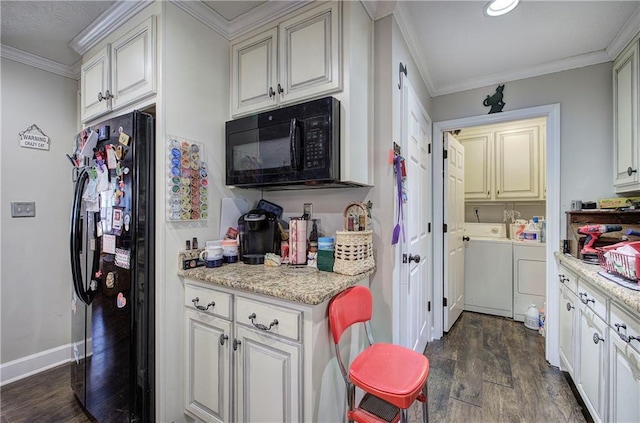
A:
(34, 363)
(110, 20)
(39, 62)
(205, 15)
(263, 14)
(528, 72)
(626, 34)
(552, 113)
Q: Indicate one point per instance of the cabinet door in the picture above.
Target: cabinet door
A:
(592, 350)
(254, 67)
(567, 323)
(624, 382)
(518, 163)
(133, 65)
(625, 121)
(477, 164)
(208, 364)
(94, 96)
(310, 45)
(268, 378)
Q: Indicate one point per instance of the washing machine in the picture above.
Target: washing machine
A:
(488, 273)
(529, 277)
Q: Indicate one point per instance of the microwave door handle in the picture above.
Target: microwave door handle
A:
(295, 144)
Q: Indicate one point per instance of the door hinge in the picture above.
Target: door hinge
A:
(429, 149)
(444, 227)
(428, 305)
(444, 302)
(429, 227)
(444, 154)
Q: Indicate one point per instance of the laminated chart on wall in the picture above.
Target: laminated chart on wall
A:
(187, 180)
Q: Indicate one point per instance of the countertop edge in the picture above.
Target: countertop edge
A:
(589, 272)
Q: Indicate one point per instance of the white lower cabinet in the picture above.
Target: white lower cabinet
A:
(592, 352)
(268, 378)
(599, 346)
(624, 363)
(567, 319)
(253, 358)
(208, 367)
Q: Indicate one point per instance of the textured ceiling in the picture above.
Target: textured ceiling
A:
(44, 28)
(456, 47)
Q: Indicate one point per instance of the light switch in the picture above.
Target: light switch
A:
(23, 209)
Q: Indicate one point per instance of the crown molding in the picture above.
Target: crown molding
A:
(369, 7)
(263, 14)
(569, 63)
(384, 8)
(628, 32)
(39, 62)
(110, 20)
(205, 15)
(400, 12)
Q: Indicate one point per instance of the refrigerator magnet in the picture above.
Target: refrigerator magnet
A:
(123, 138)
(112, 161)
(121, 301)
(117, 218)
(127, 221)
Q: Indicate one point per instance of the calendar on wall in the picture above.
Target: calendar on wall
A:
(187, 180)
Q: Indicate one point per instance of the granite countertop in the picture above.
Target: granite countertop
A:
(590, 272)
(303, 285)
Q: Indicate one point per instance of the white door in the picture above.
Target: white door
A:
(454, 246)
(416, 278)
(94, 85)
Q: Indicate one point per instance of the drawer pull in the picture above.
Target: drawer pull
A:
(223, 338)
(586, 299)
(203, 308)
(569, 306)
(626, 338)
(596, 338)
(260, 326)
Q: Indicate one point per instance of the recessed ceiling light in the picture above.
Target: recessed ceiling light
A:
(500, 7)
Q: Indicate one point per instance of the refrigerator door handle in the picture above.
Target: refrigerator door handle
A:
(75, 243)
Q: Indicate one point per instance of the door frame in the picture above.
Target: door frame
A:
(552, 113)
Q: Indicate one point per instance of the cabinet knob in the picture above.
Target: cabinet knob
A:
(236, 344)
(107, 95)
(596, 338)
(465, 238)
(280, 90)
(561, 278)
(271, 92)
(631, 171)
(223, 338)
(569, 306)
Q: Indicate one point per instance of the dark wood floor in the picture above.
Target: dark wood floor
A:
(491, 369)
(45, 397)
(486, 369)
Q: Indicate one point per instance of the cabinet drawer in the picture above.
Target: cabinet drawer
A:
(268, 318)
(208, 301)
(628, 326)
(592, 299)
(567, 278)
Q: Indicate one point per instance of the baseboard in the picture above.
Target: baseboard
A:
(35, 363)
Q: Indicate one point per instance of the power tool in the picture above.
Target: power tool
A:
(589, 254)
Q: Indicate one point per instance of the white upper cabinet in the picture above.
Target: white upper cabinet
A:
(625, 120)
(95, 78)
(295, 60)
(121, 73)
(505, 162)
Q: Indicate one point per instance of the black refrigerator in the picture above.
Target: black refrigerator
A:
(112, 264)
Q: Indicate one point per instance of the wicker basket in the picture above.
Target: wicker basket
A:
(354, 249)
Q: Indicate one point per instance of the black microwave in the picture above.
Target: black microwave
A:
(292, 147)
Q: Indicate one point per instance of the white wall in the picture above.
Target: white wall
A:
(35, 311)
(586, 125)
(194, 104)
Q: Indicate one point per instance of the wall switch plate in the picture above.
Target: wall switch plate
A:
(23, 209)
(307, 211)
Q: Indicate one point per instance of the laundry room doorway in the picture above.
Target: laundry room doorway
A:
(550, 178)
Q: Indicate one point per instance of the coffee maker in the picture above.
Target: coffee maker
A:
(259, 235)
